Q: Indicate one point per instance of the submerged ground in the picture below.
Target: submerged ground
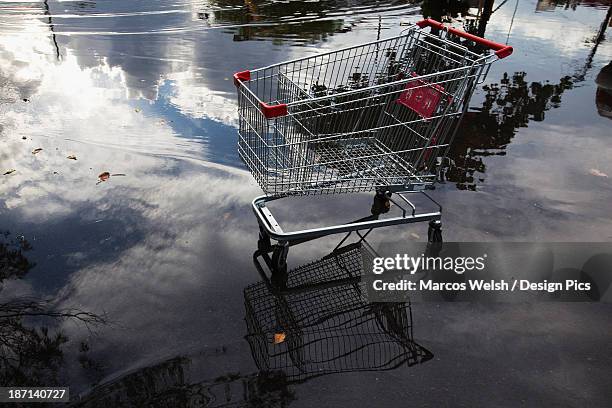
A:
(162, 249)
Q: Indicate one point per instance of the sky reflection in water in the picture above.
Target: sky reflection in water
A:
(143, 89)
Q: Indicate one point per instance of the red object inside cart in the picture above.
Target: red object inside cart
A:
(421, 96)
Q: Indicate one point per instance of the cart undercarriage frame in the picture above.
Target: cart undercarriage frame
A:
(270, 229)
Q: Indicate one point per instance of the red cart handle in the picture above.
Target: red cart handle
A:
(501, 50)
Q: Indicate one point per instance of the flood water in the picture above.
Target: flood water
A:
(163, 248)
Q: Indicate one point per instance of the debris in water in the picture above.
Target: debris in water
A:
(279, 338)
(6, 173)
(598, 173)
(72, 157)
(37, 150)
(415, 235)
(106, 175)
(103, 177)
(23, 137)
(136, 110)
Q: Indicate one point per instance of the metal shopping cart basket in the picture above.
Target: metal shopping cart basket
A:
(374, 117)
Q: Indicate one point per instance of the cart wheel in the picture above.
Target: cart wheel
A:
(279, 258)
(434, 233)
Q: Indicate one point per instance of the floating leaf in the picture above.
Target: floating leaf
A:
(37, 150)
(104, 176)
(598, 173)
(72, 157)
(6, 173)
(279, 338)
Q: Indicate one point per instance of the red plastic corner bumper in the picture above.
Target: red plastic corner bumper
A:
(273, 111)
(269, 111)
(241, 76)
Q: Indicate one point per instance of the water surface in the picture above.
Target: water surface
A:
(142, 89)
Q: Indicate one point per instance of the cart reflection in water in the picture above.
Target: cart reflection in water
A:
(316, 320)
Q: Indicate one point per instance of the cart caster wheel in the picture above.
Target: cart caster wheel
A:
(279, 259)
(434, 233)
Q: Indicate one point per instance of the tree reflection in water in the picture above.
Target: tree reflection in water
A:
(30, 353)
(508, 105)
(442, 10)
(487, 130)
(259, 19)
(603, 96)
(166, 385)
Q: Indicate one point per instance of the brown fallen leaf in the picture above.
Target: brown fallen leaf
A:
(279, 338)
(103, 176)
(597, 173)
(6, 173)
(37, 150)
(72, 157)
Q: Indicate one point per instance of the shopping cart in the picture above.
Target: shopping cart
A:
(374, 117)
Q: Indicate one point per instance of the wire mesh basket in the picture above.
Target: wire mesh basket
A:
(360, 118)
(330, 329)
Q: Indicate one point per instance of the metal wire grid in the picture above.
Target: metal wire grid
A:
(328, 330)
(352, 94)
